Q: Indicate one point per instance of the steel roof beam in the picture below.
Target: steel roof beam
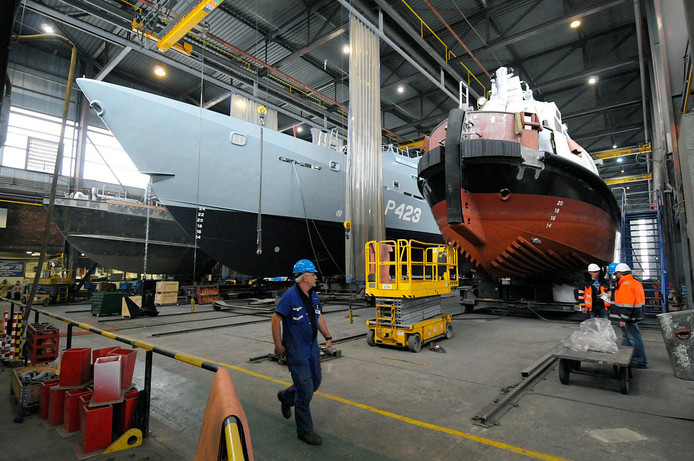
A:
(500, 43)
(617, 130)
(112, 63)
(626, 63)
(600, 108)
(405, 26)
(380, 33)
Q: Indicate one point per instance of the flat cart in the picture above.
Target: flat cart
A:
(570, 360)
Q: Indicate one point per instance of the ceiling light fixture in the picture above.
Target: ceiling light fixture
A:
(593, 80)
(575, 23)
(620, 160)
(159, 71)
(299, 129)
(614, 146)
(46, 28)
(345, 49)
(401, 89)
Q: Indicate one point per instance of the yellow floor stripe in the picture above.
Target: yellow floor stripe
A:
(406, 361)
(388, 414)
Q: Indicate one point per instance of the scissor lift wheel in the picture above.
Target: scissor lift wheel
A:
(414, 342)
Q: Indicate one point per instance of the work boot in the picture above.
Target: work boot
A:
(311, 439)
(286, 409)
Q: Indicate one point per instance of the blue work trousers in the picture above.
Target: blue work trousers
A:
(600, 313)
(631, 336)
(306, 377)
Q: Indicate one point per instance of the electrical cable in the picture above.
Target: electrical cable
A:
(308, 229)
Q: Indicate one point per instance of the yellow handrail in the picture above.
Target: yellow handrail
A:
(447, 52)
(418, 268)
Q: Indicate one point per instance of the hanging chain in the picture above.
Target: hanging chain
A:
(259, 230)
(148, 195)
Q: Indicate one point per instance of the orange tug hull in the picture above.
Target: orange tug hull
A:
(510, 209)
(528, 235)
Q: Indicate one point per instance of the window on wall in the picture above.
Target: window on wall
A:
(32, 144)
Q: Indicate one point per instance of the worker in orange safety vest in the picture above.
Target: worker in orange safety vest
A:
(629, 299)
(595, 294)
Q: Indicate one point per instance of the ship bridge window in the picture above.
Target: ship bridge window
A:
(396, 184)
(237, 138)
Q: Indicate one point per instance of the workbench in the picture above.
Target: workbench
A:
(570, 360)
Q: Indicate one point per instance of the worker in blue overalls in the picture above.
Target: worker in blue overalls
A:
(295, 326)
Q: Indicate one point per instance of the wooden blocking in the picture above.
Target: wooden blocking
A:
(107, 379)
(75, 366)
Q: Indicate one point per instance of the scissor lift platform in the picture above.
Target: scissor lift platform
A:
(408, 289)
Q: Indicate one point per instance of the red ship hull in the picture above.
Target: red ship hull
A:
(525, 236)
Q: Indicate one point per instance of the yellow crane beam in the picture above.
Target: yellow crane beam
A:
(627, 179)
(185, 48)
(190, 20)
(612, 153)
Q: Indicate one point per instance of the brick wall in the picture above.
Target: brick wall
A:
(24, 231)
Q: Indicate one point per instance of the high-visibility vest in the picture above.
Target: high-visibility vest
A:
(588, 297)
(629, 299)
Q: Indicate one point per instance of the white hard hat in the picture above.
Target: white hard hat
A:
(592, 267)
(622, 267)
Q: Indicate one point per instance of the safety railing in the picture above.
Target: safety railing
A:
(150, 350)
(448, 54)
(416, 269)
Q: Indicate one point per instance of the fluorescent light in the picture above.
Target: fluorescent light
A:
(46, 28)
(593, 80)
(401, 89)
(575, 23)
(159, 71)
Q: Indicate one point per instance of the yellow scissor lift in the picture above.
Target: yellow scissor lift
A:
(408, 288)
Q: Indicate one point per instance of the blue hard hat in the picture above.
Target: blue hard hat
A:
(611, 268)
(304, 265)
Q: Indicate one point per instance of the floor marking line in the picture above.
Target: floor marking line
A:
(388, 414)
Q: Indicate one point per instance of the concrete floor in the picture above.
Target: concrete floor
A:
(385, 403)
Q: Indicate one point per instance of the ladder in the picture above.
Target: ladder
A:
(642, 249)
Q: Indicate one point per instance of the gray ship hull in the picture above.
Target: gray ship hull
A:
(206, 170)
